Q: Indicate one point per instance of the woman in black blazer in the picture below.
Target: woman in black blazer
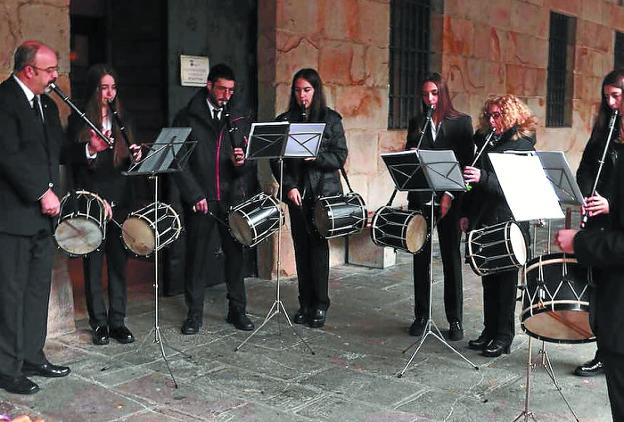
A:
(97, 168)
(485, 205)
(305, 180)
(449, 129)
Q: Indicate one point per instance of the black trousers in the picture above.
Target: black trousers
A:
(449, 236)
(117, 259)
(200, 228)
(614, 370)
(25, 276)
(499, 304)
(311, 257)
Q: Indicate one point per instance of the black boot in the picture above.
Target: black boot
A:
(590, 369)
(301, 316)
(481, 342)
(496, 348)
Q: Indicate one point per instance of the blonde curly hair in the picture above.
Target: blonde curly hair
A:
(514, 113)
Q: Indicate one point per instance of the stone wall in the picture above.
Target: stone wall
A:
(47, 21)
(347, 42)
(493, 50)
(505, 50)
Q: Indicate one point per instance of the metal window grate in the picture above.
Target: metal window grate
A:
(618, 51)
(410, 50)
(560, 65)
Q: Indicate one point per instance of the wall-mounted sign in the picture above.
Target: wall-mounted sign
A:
(193, 70)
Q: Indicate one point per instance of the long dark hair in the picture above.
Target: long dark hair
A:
(318, 107)
(444, 107)
(614, 78)
(93, 110)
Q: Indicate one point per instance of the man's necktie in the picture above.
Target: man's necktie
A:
(37, 108)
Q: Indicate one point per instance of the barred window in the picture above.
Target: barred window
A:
(560, 67)
(410, 50)
(618, 51)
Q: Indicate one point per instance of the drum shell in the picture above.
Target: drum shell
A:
(340, 215)
(81, 224)
(255, 219)
(491, 249)
(400, 229)
(560, 313)
(138, 231)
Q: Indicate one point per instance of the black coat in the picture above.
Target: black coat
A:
(319, 177)
(485, 204)
(99, 175)
(455, 133)
(29, 160)
(604, 249)
(210, 172)
(588, 169)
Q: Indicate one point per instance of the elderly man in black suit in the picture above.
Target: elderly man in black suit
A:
(30, 144)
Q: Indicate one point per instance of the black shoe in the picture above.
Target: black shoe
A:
(480, 343)
(191, 326)
(496, 348)
(240, 320)
(100, 335)
(45, 370)
(18, 385)
(317, 318)
(301, 316)
(418, 326)
(590, 369)
(122, 334)
(455, 332)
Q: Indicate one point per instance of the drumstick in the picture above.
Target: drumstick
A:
(76, 229)
(573, 327)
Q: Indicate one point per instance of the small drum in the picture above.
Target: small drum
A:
(151, 228)
(496, 248)
(555, 301)
(81, 226)
(404, 230)
(255, 219)
(340, 215)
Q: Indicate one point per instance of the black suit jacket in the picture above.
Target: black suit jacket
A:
(604, 249)
(454, 134)
(29, 160)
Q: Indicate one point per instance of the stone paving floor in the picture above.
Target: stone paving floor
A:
(351, 376)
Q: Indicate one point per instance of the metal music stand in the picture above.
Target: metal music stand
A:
(563, 182)
(167, 154)
(279, 140)
(427, 171)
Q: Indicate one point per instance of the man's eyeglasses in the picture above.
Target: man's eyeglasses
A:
(496, 115)
(48, 70)
(221, 88)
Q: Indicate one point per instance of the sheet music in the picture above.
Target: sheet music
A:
(304, 140)
(528, 192)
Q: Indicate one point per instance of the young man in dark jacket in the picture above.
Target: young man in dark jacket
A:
(212, 181)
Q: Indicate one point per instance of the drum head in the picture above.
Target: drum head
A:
(416, 233)
(78, 236)
(240, 229)
(518, 244)
(138, 236)
(562, 326)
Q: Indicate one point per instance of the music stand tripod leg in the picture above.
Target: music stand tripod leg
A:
(430, 323)
(526, 413)
(547, 365)
(277, 306)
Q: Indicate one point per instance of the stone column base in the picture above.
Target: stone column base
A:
(362, 251)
